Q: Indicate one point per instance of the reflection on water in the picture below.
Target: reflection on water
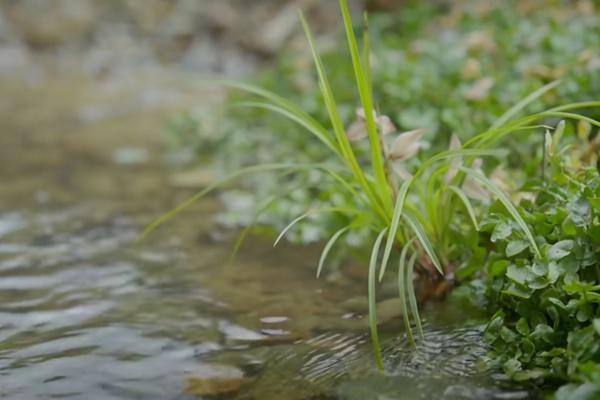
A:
(87, 314)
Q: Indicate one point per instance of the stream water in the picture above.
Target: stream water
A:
(86, 313)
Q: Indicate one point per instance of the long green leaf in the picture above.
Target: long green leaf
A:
(342, 182)
(394, 226)
(328, 247)
(235, 175)
(487, 138)
(290, 225)
(366, 97)
(242, 236)
(449, 154)
(402, 293)
(422, 237)
(468, 206)
(366, 53)
(571, 116)
(338, 128)
(514, 110)
(373, 299)
(330, 104)
(285, 107)
(257, 213)
(308, 213)
(410, 289)
(575, 106)
(505, 200)
(312, 126)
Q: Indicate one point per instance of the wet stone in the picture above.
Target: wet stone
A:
(214, 380)
(273, 320)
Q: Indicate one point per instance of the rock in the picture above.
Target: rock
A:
(237, 333)
(148, 14)
(49, 23)
(215, 380)
(277, 30)
(274, 320)
(388, 309)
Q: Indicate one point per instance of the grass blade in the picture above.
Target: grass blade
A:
(283, 106)
(505, 200)
(348, 155)
(402, 293)
(467, 203)
(342, 182)
(328, 247)
(447, 154)
(417, 228)
(373, 299)
(570, 116)
(312, 126)
(309, 213)
(259, 211)
(575, 106)
(394, 226)
(514, 110)
(290, 225)
(242, 236)
(410, 290)
(235, 175)
(362, 77)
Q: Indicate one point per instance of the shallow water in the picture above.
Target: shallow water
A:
(86, 313)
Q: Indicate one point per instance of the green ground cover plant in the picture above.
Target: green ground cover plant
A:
(547, 326)
(446, 68)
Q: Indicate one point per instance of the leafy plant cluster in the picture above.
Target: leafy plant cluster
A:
(547, 326)
(532, 252)
(447, 69)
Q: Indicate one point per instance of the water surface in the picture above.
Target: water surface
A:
(85, 313)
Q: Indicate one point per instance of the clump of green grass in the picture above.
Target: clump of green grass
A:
(408, 211)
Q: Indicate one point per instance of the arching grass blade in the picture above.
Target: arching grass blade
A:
(504, 199)
(514, 110)
(309, 124)
(410, 290)
(421, 236)
(328, 247)
(373, 299)
(467, 203)
(402, 293)
(308, 213)
(231, 177)
(394, 225)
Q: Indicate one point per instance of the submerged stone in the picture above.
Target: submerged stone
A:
(215, 380)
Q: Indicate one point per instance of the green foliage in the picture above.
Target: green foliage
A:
(429, 60)
(548, 318)
(534, 261)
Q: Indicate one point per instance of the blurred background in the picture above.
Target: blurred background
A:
(124, 65)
